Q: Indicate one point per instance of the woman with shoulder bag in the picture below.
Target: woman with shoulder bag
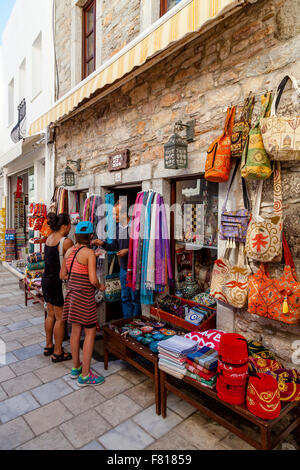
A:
(79, 269)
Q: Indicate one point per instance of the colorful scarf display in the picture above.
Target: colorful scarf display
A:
(149, 260)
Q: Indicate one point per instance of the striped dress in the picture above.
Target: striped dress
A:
(80, 305)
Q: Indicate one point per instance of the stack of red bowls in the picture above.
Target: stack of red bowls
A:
(232, 369)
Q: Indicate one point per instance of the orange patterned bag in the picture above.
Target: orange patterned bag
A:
(218, 162)
(277, 299)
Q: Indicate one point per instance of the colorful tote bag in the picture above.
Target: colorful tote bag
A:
(229, 282)
(234, 224)
(241, 128)
(277, 299)
(264, 235)
(218, 162)
(255, 161)
(112, 284)
(281, 135)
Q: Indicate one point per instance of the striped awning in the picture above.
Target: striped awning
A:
(187, 18)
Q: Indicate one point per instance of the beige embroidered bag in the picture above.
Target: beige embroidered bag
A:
(281, 135)
(229, 282)
(264, 235)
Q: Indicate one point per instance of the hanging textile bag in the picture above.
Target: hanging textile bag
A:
(278, 299)
(112, 284)
(281, 135)
(218, 162)
(241, 128)
(264, 235)
(234, 224)
(255, 161)
(229, 282)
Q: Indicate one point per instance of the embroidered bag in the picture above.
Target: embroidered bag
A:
(112, 284)
(281, 135)
(278, 299)
(264, 235)
(234, 224)
(255, 161)
(241, 128)
(218, 162)
(229, 282)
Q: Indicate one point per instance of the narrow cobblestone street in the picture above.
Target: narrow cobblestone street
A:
(42, 408)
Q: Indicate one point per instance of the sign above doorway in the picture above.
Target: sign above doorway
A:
(119, 160)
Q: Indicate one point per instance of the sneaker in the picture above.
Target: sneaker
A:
(91, 379)
(75, 373)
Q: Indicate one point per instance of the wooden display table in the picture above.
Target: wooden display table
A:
(208, 402)
(32, 292)
(130, 350)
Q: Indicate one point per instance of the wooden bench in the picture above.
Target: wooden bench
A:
(207, 402)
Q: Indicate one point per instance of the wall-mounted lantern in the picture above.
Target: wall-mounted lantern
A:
(176, 150)
(68, 177)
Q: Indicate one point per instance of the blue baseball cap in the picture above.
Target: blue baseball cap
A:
(84, 228)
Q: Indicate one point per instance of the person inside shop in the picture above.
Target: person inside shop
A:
(80, 309)
(130, 299)
(56, 246)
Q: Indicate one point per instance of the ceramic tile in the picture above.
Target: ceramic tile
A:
(126, 436)
(17, 406)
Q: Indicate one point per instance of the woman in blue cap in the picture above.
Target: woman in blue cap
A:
(79, 268)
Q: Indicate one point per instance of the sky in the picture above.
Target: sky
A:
(6, 7)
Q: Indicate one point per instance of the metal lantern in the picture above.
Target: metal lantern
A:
(176, 153)
(68, 177)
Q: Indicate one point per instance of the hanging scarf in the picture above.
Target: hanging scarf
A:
(135, 235)
(146, 295)
(110, 222)
(166, 240)
(131, 251)
(150, 279)
(141, 241)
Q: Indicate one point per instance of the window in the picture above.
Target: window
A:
(89, 39)
(37, 66)
(166, 5)
(22, 81)
(11, 102)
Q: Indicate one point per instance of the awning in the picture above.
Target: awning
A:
(187, 18)
(17, 150)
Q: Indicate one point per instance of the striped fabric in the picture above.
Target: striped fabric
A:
(171, 28)
(80, 304)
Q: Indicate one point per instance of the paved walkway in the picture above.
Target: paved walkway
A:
(42, 408)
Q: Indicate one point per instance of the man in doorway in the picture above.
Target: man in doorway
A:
(130, 299)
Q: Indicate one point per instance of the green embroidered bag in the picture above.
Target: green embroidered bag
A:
(255, 163)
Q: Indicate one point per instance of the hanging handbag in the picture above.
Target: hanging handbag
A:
(112, 284)
(264, 235)
(229, 282)
(218, 162)
(255, 161)
(281, 135)
(241, 128)
(277, 299)
(234, 224)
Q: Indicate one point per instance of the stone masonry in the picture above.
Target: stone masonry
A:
(250, 51)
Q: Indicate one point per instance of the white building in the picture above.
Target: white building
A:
(28, 73)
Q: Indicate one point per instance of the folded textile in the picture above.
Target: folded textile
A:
(205, 357)
(207, 383)
(180, 367)
(36, 266)
(179, 359)
(200, 368)
(203, 375)
(178, 344)
(170, 371)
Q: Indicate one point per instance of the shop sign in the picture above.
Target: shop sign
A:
(119, 160)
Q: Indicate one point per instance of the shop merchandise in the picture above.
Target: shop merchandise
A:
(242, 128)
(234, 224)
(278, 299)
(112, 284)
(201, 371)
(218, 162)
(178, 345)
(207, 383)
(229, 282)
(263, 398)
(233, 349)
(205, 299)
(288, 384)
(256, 349)
(184, 264)
(259, 364)
(232, 394)
(10, 244)
(205, 357)
(149, 260)
(233, 374)
(60, 200)
(36, 258)
(209, 338)
(255, 161)
(190, 287)
(36, 266)
(2, 231)
(172, 355)
(281, 135)
(264, 235)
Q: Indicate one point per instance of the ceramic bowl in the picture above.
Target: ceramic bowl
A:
(147, 329)
(148, 335)
(158, 337)
(168, 332)
(154, 346)
(135, 333)
(159, 325)
(147, 341)
(139, 338)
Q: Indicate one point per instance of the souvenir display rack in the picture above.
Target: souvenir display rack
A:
(208, 402)
(2, 230)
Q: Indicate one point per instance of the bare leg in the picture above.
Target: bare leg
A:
(88, 346)
(75, 344)
(49, 326)
(59, 330)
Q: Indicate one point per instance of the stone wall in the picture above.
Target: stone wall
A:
(250, 51)
(63, 44)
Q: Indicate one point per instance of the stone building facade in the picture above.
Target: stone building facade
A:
(249, 51)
